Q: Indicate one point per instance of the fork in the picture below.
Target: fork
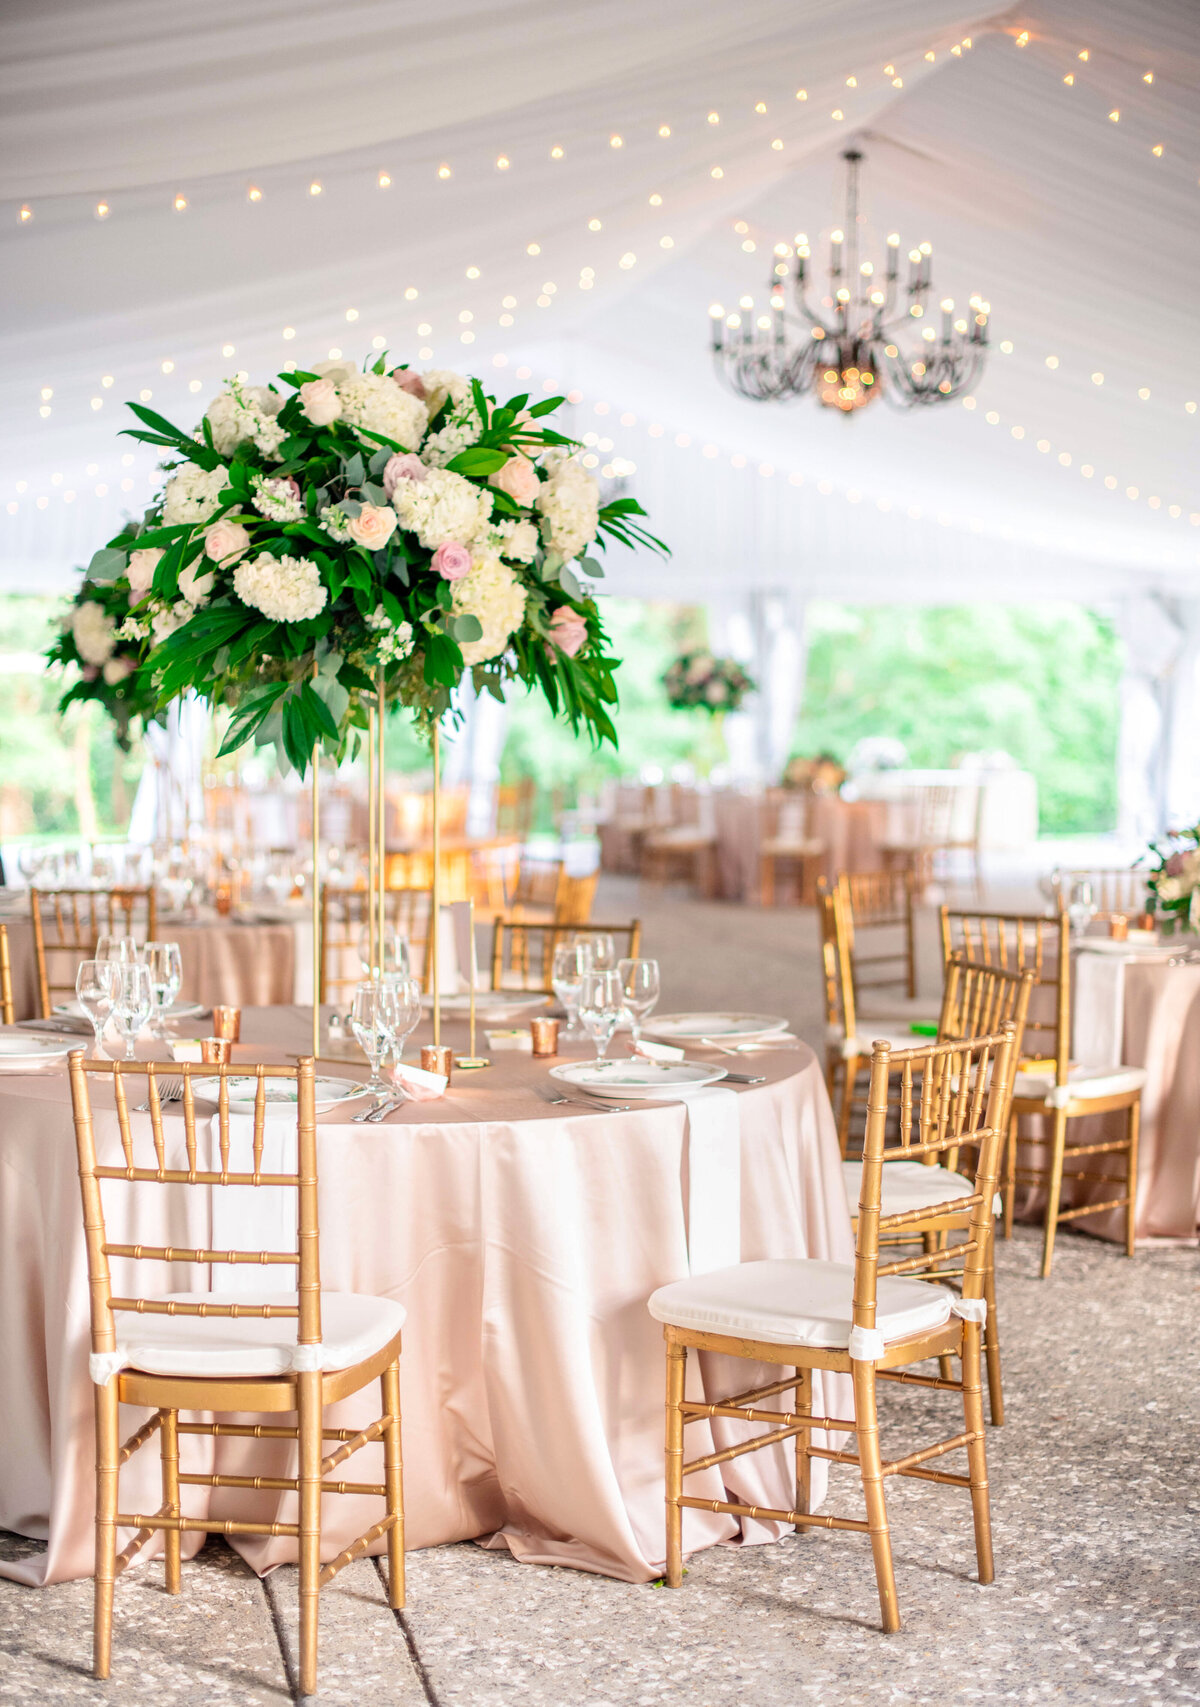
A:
(169, 1090)
(587, 1102)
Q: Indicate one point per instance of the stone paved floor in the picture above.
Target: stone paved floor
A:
(1096, 1509)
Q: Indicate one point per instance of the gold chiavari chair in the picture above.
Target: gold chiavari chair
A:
(536, 887)
(977, 1001)
(868, 1319)
(218, 1351)
(686, 847)
(1117, 890)
(344, 927)
(1059, 1092)
(937, 828)
(523, 954)
(574, 898)
(8, 1012)
(515, 806)
(847, 1047)
(787, 842)
(67, 923)
(882, 902)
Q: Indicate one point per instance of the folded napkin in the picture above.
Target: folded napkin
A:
(714, 1179)
(416, 1083)
(658, 1051)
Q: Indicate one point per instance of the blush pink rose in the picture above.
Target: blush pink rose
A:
(518, 478)
(568, 630)
(451, 560)
(372, 527)
(1174, 866)
(409, 381)
(321, 402)
(90, 672)
(403, 466)
(225, 542)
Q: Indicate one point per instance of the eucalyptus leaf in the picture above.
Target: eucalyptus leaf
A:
(354, 470)
(591, 567)
(374, 494)
(466, 627)
(106, 565)
(569, 582)
(379, 461)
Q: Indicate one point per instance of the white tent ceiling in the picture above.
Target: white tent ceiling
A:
(1083, 238)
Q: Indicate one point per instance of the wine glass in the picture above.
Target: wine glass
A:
(403, 1013)
(133, 1003)
(571, 962)
(369, 1020)
(96, 989)
(601, 1000)
(640, 982)
(120, 949)
(165, 965)
(604, 951)
(391, 955)
(30, 861)
(1082, 905)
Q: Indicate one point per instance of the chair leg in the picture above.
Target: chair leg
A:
(676, 1375)
(1135, 1122)
(977, 1451)
(393, 1479)
(1054, 1189)
(309, 1416)
(870, 1463)
(170, 1492)
(991, 1342)
(1010, 1175)
(802, 1402)
(108, 1447)
(849, 1079)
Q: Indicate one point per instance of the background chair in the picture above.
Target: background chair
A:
(685, 849)
(523, 953)
(344, 933)
(868, 1319)
(8, 1013)
(879, 908)
(67, 924)
(944, 819)
(1058, 1091)
(1114, 890)
(289, 1352)
(788, 841)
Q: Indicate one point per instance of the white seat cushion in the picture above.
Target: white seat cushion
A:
(907, 1185)
(353, 1328)
(1083, 1083)
(861, 1045)
(799, 847)
(797, 1301)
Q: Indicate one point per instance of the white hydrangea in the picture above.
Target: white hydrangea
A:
(458, 433)
(276, 500)
(336, 522)
(245, 412)
(441, 507)
(374, 401)
(395, 641)
(286, 589)
(117, 669)
(492, 593)
(167, 620)
(441, 383)
(193, 494)
(94, 632)
(518, 541)
(569, 502)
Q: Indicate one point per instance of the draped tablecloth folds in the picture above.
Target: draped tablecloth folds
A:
(523, 1238)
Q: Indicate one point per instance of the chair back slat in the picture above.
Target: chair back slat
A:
(303, 1256)
(879, 905)
(344, 926)
(1115, 889)
(1019, 943)
(67, 923)
(523, 953)
(8, 1012)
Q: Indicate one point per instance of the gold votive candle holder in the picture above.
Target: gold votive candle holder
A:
(545, 1036)
(1118, 927)
(1145, 921)
(437, 1058)
(227, 1022)
(216, 1050)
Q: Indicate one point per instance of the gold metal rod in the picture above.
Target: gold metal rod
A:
(381, 815)
(371, 810)
(435, 922)
(316, 900)
(471, 967)
(808, 1520)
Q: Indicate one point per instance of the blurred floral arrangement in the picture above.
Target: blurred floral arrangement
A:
(822, 775)
(1174, 883)
(698, 679)
(106, 665)
(342, 526)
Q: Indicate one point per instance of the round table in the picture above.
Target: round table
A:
(523, 1239)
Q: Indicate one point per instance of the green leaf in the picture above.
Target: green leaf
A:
(317, 711)
(547, 406)
(298, 737)
(379, 461)
(354, 470)
(477, 459)
(569, 583)
(106, 565)
(466, 627)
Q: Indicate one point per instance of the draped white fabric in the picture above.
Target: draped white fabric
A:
(1084, 241)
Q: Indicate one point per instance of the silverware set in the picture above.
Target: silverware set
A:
(169, 1090)
(372, 1116)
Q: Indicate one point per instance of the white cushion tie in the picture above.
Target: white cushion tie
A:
(307, 1358)
(867, 1344)
(1060, 1096)
(970, 1309)
(103, 1365)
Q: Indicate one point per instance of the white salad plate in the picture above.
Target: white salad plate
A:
(694, 1028)
(637, 1078)
(1134, 948)
(280, 1093)
(492, 1006)
(32, 1051)
(177, 1010)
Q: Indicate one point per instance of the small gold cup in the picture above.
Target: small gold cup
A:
(437, 1058)
(1145, 921)
(227, 1022)
(1118, 927)
(215, 1050)
(545, 1036)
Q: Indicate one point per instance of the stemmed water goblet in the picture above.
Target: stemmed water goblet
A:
(165, 965)
(1082, 907)
(95, 990)
(640, 983)
(403, 1011)
(122, 950)
(604, 951)
(571, 963)
(133, 1003)
(30, 862)
(391, 954)
(371, 1021)
(601, 1001)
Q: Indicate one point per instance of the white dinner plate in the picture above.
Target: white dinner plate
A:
(1131, 950)
(280, 1093)
(637, 1078)
(691, 1028)
(177, 1010)
(30, 1051)
(493, 1006)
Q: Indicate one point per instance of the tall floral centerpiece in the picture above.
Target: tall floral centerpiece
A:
(103, 663)
(1174, 883)
(342, 539)
(701, 681)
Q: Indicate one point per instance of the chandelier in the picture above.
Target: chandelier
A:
(851, 351)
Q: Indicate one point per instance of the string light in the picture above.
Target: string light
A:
(181, 202)
(25, 213)
(253, 193)
(384, 181)
(316, 187)
(102, 210)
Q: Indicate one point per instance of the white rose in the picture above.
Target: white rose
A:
(336, 371)
(1169, 888)
(286, 589)
(117, 669)
(225, 541)
(196, 584)
(372, 527)
(320, 401)
(94, 632)
(443, 383)
(142, 565)
(225, 420)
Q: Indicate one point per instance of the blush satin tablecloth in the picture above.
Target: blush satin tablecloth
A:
(522, 1238)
